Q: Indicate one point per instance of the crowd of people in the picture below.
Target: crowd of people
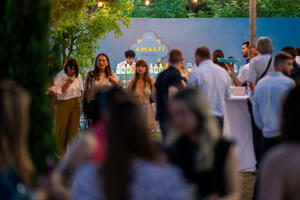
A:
(116, 161)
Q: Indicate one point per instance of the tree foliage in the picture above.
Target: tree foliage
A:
(25, 58)
(79, 32)
(215, 8)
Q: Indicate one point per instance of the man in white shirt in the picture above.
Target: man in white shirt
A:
(240, 80)
(268, 96)
(129, 58)
(213, 81)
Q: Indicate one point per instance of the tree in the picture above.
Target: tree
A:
(160, 9)
(25, 58)
(79, 32)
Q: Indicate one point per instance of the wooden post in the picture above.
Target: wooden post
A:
(252, 22)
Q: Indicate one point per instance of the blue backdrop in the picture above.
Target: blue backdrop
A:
(226, 34)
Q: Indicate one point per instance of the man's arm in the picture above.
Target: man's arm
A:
(256, 111)
(251, 76)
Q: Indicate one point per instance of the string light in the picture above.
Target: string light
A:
(99, 4)
(195, 1)
(147, 2)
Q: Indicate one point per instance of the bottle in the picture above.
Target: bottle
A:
(118, 70)
(133, 69)
(128, 71)
(155, 69)
(160, 68)
(123, 70)
(166, 67)
(151, 69)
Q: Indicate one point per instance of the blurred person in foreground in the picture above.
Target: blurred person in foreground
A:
(141, 87)
(69, 88)
(129, 169)
(89, 146)
(298, 56)
(168, 83)
(213, 81)
(16, 167)
(279, 176)
(194, 143)
(268, 96)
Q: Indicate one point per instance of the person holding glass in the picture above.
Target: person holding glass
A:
(69, 88)
(100, 79)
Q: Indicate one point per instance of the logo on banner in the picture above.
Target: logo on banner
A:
(150, 48)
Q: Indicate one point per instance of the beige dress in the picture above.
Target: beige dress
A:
(147, 106)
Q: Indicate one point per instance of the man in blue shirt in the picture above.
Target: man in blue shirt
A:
(268, 96)
(213, 81)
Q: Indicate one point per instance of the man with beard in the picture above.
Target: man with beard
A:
(268, 96)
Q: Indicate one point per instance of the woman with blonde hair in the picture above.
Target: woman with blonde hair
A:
(141, 87)
(208, 161)
(16, 167)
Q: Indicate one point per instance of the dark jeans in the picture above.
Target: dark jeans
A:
(220, 121)
(257, 136)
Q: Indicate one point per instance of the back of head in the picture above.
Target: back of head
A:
(203, 52)
(127, 140)
(290, 128)
(217, 54)
(175, 56)
(208, 130)
(298, 51)
(14, 126)
(290, 50)
(281, 57)
(264, 45)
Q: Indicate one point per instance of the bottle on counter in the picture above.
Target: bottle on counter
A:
(155, 69)
(118, 70)
(133, 69)
(128, 70)
(151, 69)
(160, 69)
(123, 69)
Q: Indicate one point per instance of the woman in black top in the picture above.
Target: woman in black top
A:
(195, 145)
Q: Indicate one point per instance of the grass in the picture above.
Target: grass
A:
(248, 181)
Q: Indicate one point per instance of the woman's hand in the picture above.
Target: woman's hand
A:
(114, 80)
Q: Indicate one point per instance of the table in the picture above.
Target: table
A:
(238, 128)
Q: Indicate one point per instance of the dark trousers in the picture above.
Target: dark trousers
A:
(220, 121)
(257, 136)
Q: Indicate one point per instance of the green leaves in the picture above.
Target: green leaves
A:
(79, 32)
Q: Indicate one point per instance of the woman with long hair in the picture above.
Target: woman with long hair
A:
(129, 170)
(16, 167)
(219, 54)
(195, 145)
(100, 79)
(141, 87)
(69, 88)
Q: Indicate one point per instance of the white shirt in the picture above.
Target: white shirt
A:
(215, 84)
(125, 62)
(243, 73)
(257, 67)
(73, 91)
(297, 60)
(268, 96)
